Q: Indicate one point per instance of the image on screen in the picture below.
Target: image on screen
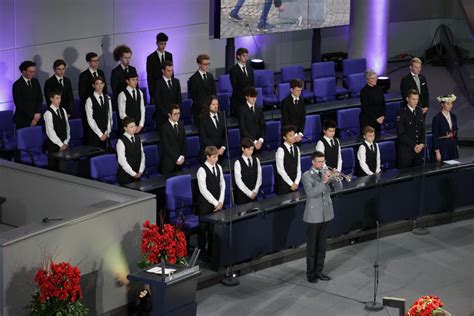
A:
(246, 17)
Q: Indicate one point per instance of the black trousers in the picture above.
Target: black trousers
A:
(316, 241)
(205, 235)
(407, 158)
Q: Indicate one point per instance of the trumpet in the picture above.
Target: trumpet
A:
(337, 175)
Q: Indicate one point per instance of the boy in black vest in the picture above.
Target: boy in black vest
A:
(368, 155)
(131, 103)
(247, 174)
(329, 145)
(288, 166)
(99, 115)
(131, 159)
(211, 186)
(57, 128)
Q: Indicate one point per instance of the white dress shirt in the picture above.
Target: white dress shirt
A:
(320, 147)
(90, 113)
(122, 160)
(238, 177)
(49, 126)
(122, 104)
(279, 157)
(362, 161)
(201, 178)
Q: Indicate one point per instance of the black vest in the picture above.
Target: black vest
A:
(249, 178)
(370, 160)
(59, 124)
(291, 167)
(132, 107)
(213, 186)
(331, 153)
(133, 155)
(100, 114)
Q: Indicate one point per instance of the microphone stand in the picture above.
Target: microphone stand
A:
(230, 277)
(374, 305)
(420, 230)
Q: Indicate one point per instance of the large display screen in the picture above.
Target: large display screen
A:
(234, 18)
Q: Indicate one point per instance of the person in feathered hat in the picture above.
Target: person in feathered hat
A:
(445, 130)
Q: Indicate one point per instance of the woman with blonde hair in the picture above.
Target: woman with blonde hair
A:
(445, 130)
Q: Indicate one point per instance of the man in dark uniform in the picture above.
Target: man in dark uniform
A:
(411, 132)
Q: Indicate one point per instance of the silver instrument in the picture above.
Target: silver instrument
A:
(337, 175)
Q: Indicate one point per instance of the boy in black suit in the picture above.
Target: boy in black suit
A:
(211, 186)
(241, 77)
(61, 83)
(287, 160)
(247, 174)
(416, 81)
(130, 155)
(173, 142)
(211, 127)
(57, 128)
(123, 54)
(293, 110)
(99, 115)
(201, 86)
(27, 96)
(251, 119)
(130, 102)
(154, 63)
(167, 93)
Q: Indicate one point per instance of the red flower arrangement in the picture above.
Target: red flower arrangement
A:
(426, 306)
(59, 291)
(163, 242)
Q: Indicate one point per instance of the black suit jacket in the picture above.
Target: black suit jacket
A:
(153, 70)
(293, 114)
(239, 82)
(410, 129)
(251, 125)
(27, 101)
(172, 146)
(408, 83)
(67, 97)
(200, 90)
(209, 135)
(117, 80)
(85, 85)
(164, 98)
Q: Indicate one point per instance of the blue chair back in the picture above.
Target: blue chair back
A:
(224, 85)
(391, 113)
(145, 94)
(224, 103)
(30, 142)
(233, 135)
(348, 160)
(353, 66)
(7, 131)
(268, 180)
(193, 150)
(151, 159)
(272, 134)
(186, 114)
(179, 201)
(227, 197)
(348, 123)
(324, 89)
(75, 126)
(292, 72)
(355, 83)
(76, 108)
(104, 168)
(312, 128)
(305, 163)
(387, 155)
(149, 120)
(115, 133)
(283, 91)
(323, 70)
(259, 101)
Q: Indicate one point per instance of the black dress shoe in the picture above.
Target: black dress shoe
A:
(312, 280)
(323, 277)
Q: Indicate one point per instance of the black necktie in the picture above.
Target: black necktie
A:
(215, 119)
(28, 83)
(169, 84)
(176, 128)
(372, 147)
(132, 139)
(250, 162)
(245, 71)
(58, 111)
(126, 70)
(332, 142)
(95, 74)
(134, 95)
(101, 100)
(291, 151)
(204, 77)
(320, 174)
(61, 82)
(251, 109)
(163, 58)
(214, 171)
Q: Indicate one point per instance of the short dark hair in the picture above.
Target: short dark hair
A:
(166, 63)
(250, 92)
(286, 129)
(131, 75)
(202, 57)
(241, 51)
(26, 64)
(90, 55)
(127, 120)
(296, 83)
(329, 124)
(412, 92)
(246, 143)
(95, 79)
(161, 37)
(367, 130)
(59, 62)
(210, 150)
(317, 154)
(120, 50)
(173, 107)
(54, 92)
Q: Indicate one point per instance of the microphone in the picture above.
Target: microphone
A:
(47, 219)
